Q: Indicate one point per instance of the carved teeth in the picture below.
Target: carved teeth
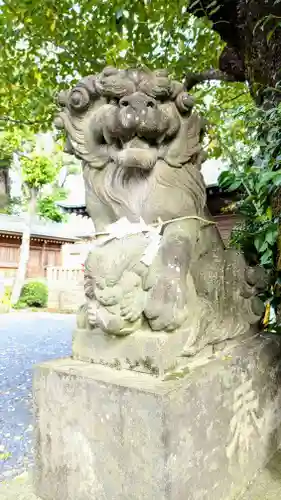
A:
(136, 142)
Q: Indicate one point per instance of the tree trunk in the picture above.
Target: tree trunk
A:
(24, 249)
(252, 32)
(4, 184)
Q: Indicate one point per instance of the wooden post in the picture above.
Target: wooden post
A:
(43, 253)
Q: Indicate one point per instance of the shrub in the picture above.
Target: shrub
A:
(33, 294)
(5, 300)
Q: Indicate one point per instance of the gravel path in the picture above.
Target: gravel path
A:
(25, 339)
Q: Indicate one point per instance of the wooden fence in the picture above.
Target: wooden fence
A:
(63, 274)
(65, 286)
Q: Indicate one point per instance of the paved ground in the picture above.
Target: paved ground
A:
(19, 488)
(25, 339)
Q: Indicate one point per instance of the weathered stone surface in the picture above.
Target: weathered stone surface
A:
(140, 145)
(118, 435)
(267, 484)
(143, 351)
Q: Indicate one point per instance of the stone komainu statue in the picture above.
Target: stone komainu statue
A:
(140, 146)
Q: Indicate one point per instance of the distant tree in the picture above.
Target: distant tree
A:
(42, 186)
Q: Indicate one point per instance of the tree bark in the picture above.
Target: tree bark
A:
(24, 249)
(252, 32)
(192, 79)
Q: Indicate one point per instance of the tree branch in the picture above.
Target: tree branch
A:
(192, 79)
(19, 122)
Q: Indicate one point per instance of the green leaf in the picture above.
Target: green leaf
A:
(226, 178)
(271, 235)
(260, 243)
(235, 185)
(266, 258)
(269, 213)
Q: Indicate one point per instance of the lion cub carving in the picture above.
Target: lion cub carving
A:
(140, 146)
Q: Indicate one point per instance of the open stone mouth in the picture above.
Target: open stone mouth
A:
(136, 142)
(139, 143)
(137, 153)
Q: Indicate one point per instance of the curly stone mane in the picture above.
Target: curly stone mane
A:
(135, 133)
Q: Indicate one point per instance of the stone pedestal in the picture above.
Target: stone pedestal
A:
(107, 434)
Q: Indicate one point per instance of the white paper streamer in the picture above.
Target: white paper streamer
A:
(123, 227)
(152, 249)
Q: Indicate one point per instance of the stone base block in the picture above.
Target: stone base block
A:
(157, 353)
(104, 434)
(145, 351)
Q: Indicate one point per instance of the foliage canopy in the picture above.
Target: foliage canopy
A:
(49, 45)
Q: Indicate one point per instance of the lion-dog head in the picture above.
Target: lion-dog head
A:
(136, 127)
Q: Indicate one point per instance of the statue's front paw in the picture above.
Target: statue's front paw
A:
(256, 281)
(166, 305)
(114, 324)
(168, 320)
(132, 305)
(257, 277)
